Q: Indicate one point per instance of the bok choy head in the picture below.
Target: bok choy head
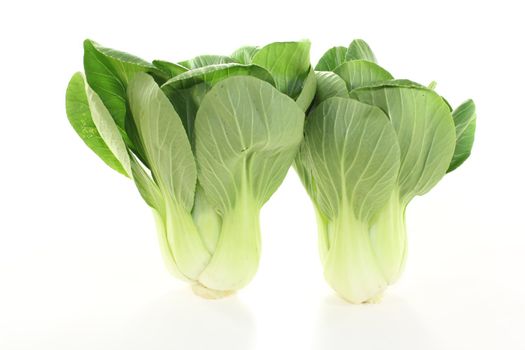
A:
(373, 143)
(207, 141)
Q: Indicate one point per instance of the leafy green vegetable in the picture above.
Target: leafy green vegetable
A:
(208, 140)
(371, 145)
(206, 149)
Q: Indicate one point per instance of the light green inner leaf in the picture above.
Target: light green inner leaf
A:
(329, 85)
(245, 129)
(355, 156)
(425, 131)
(289, 64)
(359, 50)
(244, 54)
(358, 73)
(164, 139)
(205, 60)
(332, 59)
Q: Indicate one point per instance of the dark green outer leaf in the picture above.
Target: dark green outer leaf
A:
(108, 73)
(104, 79)
(80, 116)
(332, 59)
(465, 121)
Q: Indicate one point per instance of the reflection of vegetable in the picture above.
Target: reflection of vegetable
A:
(371, 145)
(207, 141)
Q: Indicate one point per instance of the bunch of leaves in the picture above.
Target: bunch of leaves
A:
(372, 143)
(207, 141)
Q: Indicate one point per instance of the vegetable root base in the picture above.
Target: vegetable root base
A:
(208, 293)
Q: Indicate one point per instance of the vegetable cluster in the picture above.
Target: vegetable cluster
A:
(208, 140)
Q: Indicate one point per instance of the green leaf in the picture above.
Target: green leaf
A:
(173, 167)
(247, 134)
(148, 189)
(93, 123)
(359, 50)
(425, 130)
(329, 85)
(288, 63)
(205, 60)
(213, 74)
(186, 102)
(332, 59)
(303, 166)
(307, 94)
(108, 73)
(465, 121)
(354, 157)
(395, 82)
(448, 104)
(358, 73)
(244, 54)
(165, 143)
(170, 69)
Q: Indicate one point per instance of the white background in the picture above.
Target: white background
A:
(79, 263)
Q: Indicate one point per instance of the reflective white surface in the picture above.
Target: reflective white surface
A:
(79, 263)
